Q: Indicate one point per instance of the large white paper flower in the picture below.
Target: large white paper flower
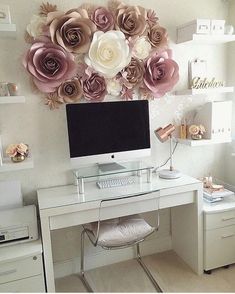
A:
(35, 27)
(109, 53)
(142, 48)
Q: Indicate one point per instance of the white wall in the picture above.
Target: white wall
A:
(229, 175)
(45, 130)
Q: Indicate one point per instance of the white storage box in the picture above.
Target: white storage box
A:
(197, 26)
(217, 118)
(217, 26)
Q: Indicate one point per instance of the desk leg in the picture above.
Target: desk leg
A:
(47, 253)
(187, 232)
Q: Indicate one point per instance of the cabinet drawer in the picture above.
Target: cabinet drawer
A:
(219, 220)
(22, 268)
(219, 247)
(32, 285)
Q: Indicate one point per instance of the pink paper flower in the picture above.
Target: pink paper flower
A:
(103, 19)
(94, 88)
(161, 74)
(49, 64)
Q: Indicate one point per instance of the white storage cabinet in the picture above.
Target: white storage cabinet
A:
(219, 234)
(21, 268)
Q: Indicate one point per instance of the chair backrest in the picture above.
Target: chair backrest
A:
(131, 204)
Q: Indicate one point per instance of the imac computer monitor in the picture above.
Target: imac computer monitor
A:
(108, 132)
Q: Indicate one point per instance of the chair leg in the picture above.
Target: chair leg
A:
(82, 274)
(148, 273)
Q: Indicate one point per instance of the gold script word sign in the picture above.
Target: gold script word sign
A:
(205, 83)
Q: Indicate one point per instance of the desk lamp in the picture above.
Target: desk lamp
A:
(163, 134)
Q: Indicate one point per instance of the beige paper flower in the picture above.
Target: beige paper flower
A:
(11, 150)
(53, 101)
(133, 73)
(22, 149)
(131, 20)
(71, 91)
(193, 130)
(158, 37)
(72, 31)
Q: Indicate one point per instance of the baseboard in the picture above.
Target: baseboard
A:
(105, 257)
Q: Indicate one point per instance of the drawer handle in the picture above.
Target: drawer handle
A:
(227, 236)
(8, 272)
(228, 218)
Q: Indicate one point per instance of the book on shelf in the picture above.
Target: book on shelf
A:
(208, 193)
(211, 199)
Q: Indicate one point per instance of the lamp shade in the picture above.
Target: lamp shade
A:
(164, 133)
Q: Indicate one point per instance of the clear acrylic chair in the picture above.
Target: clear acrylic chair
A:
(119, 233)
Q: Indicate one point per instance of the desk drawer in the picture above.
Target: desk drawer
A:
(22, 268)
(219, 220)
(118, 208)
(219, 249)
(29, 285)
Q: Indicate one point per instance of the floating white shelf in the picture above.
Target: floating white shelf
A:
(7, 30)
(8, 165)
(12, 99)
(192, 92)
(206, 39)
(195, 143)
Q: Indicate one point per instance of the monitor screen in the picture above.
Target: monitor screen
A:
(107, 127)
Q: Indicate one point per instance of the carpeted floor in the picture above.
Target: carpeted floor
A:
(169, 270)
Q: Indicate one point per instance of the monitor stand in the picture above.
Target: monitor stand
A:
(108, 167)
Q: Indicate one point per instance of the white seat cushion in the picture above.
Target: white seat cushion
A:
(119, 232)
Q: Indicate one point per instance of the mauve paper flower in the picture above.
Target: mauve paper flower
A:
(151, 17)
(71, 91)
(127, 94)
(133, 73)
(161, 73)
(49, 64)
(103, 19)
(131, 20)
(158, 37)
(109, 53)
(72, 31)
(94, 88)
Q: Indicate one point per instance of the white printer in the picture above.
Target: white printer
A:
(18, 223)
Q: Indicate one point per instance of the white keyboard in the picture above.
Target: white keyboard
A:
(116, 182)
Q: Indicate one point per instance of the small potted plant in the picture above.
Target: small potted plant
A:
(196, 131)
(17, 152)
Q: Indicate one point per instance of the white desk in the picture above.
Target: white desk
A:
(62, 207)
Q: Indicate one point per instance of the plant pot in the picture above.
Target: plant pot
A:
(196, 137)
(18, 158)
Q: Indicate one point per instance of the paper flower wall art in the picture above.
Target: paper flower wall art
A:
(91, 51)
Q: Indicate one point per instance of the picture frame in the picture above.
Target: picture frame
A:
(5, 16)
(196, 68)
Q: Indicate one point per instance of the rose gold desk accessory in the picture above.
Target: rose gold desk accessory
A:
(163, 134)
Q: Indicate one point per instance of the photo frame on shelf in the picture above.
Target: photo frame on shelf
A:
(5, 15)
(196, 68)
